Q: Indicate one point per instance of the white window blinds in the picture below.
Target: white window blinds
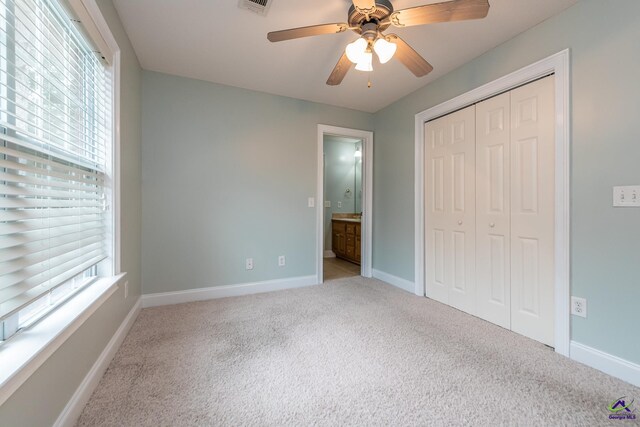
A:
(55, 121)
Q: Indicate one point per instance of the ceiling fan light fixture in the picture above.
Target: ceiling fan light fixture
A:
(384, 49)
(366, 61)
(356, 50)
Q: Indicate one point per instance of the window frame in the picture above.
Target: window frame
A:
(26, 352)
(48, 302)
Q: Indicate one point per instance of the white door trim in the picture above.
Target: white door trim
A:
(367, 196)
(558, 64)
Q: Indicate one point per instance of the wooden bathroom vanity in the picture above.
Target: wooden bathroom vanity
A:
(345, 237)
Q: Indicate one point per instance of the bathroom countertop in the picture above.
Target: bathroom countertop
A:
(347, 219)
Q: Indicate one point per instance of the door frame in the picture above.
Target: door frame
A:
(367, 196)
(558, 65)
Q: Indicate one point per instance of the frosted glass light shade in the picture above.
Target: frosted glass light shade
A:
(356, 49)
(385, 50)
(366, 62)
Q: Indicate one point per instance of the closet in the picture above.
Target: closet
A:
(489, 203)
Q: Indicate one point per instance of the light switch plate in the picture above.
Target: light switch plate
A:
(327, 204)
(627, 196)
(311, 202)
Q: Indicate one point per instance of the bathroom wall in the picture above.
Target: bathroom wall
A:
(358, 173)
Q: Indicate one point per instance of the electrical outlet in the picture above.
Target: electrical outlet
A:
(249, 264)
(281, 261)
(579, 306)
(126, 289)
(311, 202)
(339, 204)
(327, 204)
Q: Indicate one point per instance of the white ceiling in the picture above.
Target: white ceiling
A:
(214, 40)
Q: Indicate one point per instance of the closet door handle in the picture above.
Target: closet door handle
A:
(459, 222)
(492, 225)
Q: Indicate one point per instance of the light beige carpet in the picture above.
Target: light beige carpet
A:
(355, 352)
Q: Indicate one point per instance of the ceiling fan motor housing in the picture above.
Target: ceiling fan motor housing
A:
(369, 31)
(383, 9)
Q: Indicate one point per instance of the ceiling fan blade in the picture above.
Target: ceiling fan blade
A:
(409, 57)
(364, 4)
(340, 70)
(455, 10)
(314, 30)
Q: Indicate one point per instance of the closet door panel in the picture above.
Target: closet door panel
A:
(493, 256)
(450, 209)
(462, 209)
(532, 210)
(437, 188)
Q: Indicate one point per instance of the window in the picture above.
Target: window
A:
(55, 155)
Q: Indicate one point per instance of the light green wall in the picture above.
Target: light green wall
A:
(226, 176)
(603, 36)
(39, 401)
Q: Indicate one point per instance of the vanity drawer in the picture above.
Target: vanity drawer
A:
(339, 227)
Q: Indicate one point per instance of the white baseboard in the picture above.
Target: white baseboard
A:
(605, 362)
(398, 282)
(74, 407)
(202, 294)
(329, 254)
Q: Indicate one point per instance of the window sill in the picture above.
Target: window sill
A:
(24, 353)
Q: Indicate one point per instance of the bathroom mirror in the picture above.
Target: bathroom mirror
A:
(343, 174)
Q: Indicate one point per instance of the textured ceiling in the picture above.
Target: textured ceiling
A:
(214, 40)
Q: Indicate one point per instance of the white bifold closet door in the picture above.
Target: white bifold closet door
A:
(450, 235)
(493, 208)
(490, 207)
(533, 210)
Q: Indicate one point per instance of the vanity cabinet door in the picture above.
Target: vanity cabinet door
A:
(346, 240)
(338, 237)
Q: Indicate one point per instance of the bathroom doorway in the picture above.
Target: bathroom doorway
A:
(344, 196)
(342, 207)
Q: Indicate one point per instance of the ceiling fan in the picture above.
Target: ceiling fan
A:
(369, 18)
